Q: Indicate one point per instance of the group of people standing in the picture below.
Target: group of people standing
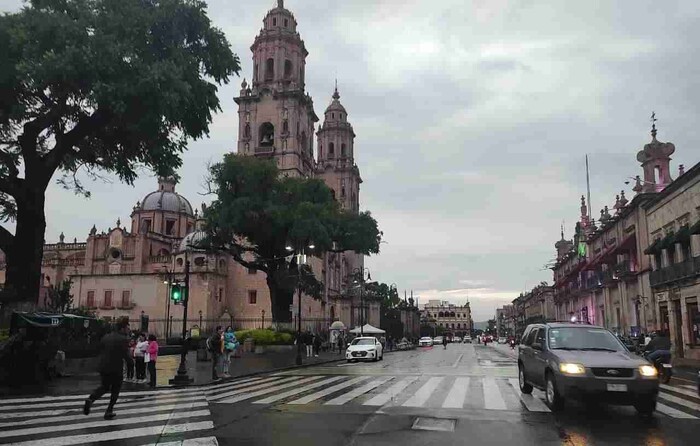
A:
(222, 345)
(313, 343)
(143, 353)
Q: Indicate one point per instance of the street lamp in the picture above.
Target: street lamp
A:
(200, 319)
(360, 273)
(298, 260)
(181, 378)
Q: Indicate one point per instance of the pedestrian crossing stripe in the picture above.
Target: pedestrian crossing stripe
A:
(447, 392)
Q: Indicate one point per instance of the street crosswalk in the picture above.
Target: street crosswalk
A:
(491, 393)
(170, 417)
(182, 416)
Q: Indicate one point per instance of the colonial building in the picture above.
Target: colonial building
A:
(128, 270)
(505, 320)
(535, 306)
(673, 224)
(456, 319)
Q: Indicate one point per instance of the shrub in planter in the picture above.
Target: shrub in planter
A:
(265, 337)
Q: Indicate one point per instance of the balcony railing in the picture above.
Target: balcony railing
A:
(63, 262)
(159, 259)
(675, 272)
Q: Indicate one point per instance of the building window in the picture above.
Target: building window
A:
(246, 131)
(252, 297)
(179, 261)
(287, 69)
(331, 150)
(252, 271)
(169, 227)
(286, 23)
(146, 225)
(221, 294)
(332, 115)
(342, 150)
(222, 264)
(269, 69)
(90, 301)
(126, 298)
(274, 22)
(107, 302)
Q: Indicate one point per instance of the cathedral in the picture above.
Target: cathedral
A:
(128, 269)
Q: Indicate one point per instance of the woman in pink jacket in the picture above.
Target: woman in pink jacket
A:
(153, 356)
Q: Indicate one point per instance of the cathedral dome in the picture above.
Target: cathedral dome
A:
(166, 199)
(336, 107)
(194, 240)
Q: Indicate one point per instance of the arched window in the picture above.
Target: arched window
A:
(320, 150)
(342, 150)
(331, 150)
(287, 69)
(285, 126)
(163, 252)
(267, 134)
(269, 69)
(452, 314)
(274, 22)
(441, 314)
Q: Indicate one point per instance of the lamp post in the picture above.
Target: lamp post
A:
(262, 326)
(360, 273)
(300, 260)
(168, 282)
(200, 319)
(181, 378)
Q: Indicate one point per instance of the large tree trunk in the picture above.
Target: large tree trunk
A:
(23, 258)
(281, 298)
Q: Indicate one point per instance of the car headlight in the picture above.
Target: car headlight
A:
(370, 349)
(572, 369)
(648, 370)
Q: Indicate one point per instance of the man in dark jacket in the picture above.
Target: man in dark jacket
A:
(114, 351)
(659, 346)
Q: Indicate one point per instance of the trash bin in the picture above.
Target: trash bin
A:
(249, 345)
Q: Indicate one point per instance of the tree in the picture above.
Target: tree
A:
(97, 86)
(257, 213)
(59, 299)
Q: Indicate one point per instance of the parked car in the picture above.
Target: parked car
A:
(437, 340)
(364, 348)
(425, 341)
(467, 340)
(584, 362)
(502, 340)
(457, 339)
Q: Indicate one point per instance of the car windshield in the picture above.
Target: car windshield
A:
(583, 338)
(362, 342)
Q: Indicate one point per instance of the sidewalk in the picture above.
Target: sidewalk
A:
(166, 368)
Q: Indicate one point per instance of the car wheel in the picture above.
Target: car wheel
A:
(524, 386)
(551, 395)
(646, 406)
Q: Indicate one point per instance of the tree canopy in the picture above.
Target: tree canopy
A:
(97, 86)
(257, 214)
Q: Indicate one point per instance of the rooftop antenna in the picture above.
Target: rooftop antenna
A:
(588, 190)
(653, 124)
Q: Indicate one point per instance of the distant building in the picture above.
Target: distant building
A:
(535, 306)
(456, 319)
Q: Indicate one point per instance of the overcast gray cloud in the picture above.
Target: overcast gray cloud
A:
(472, 122)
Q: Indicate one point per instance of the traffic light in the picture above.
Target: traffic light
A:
(177, 293)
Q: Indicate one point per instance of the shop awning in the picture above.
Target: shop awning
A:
(683, 235)
(654, 247)
(695, 229)
(22, 319)
(668, 241)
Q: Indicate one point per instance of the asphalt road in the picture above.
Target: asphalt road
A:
(466, 394)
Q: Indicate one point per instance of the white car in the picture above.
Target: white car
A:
(467, 340)
(364, 348)
(437, 340)
(425, 341)
(457, 339)
(502, 340)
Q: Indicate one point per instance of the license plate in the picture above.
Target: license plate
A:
(668, 366)
(617, 387)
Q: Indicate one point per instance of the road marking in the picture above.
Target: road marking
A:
(246, 396)
(98, 414)
(204, 441)
(391, 392)
(321, 393)
(342, 399)
(493, 399)
(293, 392)
(238, 385)
(532, 403)
(681, 401)
(457, 361)
(119, 435)
(425, 392)
(92, 424)
(672, 412)
(252, 388)
(458, 393)
(679, 390)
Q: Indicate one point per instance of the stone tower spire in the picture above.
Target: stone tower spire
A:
(276, 116)
(655, 159)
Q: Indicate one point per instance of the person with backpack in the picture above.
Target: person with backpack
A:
(215, 346)
(230, 346)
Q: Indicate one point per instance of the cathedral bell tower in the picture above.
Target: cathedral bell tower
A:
(276, 115)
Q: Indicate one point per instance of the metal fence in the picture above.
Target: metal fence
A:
(172, 328)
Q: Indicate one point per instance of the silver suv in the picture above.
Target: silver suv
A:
(584, 362)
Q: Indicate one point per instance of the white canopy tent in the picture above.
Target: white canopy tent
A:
(368, 330)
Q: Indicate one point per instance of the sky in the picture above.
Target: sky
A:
(473, 119)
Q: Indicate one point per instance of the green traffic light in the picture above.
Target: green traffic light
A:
(176, 294)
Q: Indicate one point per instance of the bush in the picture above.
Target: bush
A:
(265, 337)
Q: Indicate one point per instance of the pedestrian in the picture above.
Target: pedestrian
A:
(340, 344)
(444, 342)
(114, 350)
(215, 347)
(317, 345)
(131, 363)
(309, 342)
(230, 345)
(139, 354)
(150, 359)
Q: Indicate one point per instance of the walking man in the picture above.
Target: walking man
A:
(216, 348)
(114, 351)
